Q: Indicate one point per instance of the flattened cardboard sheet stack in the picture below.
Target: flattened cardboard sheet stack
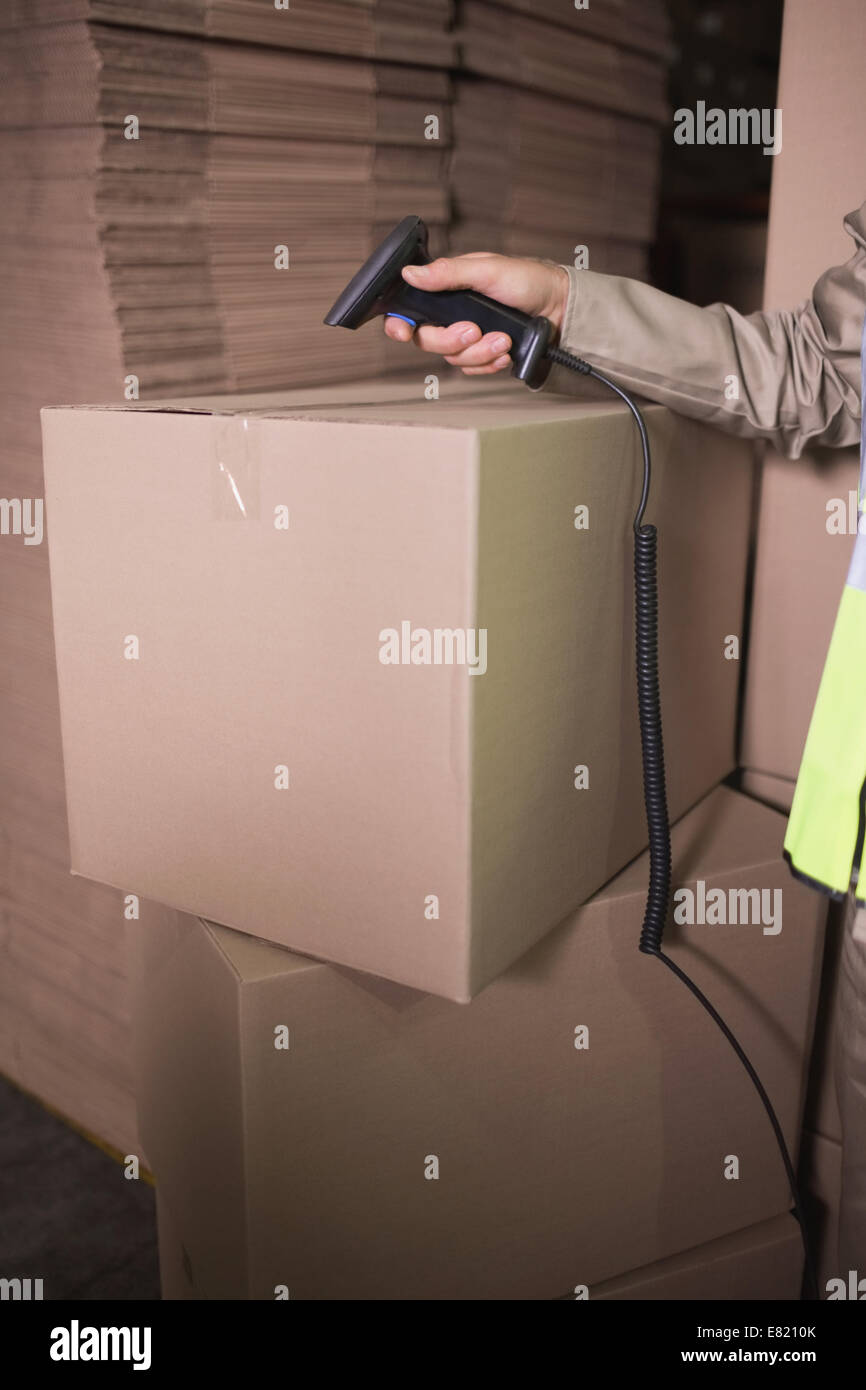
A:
(232, 189)
(557, 124)
(395, 30)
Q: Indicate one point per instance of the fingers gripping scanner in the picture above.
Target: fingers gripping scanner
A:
(378, 289)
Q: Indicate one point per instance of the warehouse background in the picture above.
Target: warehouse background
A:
(187, 186)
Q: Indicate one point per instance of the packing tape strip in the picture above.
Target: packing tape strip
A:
(235, 474)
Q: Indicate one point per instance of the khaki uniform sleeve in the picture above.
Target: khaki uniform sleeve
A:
(791, 376)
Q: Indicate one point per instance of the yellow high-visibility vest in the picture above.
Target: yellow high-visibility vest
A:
(824, 843)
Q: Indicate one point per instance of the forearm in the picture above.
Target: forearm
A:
(789, 376)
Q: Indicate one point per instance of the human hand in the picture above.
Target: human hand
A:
(536, 287)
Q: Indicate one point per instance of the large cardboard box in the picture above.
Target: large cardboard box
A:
(347, 1138)
(774, 791)
(763, 1262)
(805, 535)
(269, 718)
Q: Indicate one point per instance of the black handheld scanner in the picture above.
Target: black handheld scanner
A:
(379, 289)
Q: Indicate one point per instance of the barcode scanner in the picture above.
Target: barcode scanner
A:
(379, 289)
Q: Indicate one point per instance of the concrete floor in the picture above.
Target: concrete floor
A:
(68, 1215)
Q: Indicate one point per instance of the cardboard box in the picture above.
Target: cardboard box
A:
(763, 1262)
(176, 1274)
(295, 1115)
(800, 563)
(259, 764)
(777, 792)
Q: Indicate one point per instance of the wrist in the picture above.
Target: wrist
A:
(559, 295)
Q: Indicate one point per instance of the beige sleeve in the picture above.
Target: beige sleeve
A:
(791, 376)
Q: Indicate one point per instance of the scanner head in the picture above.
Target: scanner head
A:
(379, 280)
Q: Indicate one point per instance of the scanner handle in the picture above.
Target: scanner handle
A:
(529, 336)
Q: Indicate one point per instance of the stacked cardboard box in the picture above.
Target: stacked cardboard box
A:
(146, 266)
(762, 1262)
(277, 776)
(442, 809)
(137, 266)
(577, 1121)
(557, 132)
(253, 550)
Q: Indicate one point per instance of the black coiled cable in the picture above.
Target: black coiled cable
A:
(655, 793)
(652, 745)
